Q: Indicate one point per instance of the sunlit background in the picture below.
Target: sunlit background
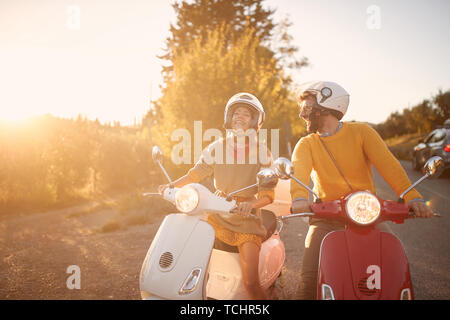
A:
(99, 58)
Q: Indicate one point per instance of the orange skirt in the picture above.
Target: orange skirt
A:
(230, 237)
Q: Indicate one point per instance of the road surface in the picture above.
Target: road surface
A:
(37, 251)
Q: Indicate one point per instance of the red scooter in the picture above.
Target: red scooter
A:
(361, 262)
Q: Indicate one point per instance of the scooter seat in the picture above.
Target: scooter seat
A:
(269, 221)
(220, 245)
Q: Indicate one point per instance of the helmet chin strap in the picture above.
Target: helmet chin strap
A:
(251, 132)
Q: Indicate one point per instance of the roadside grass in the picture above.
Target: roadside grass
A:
(95, 207)
(402, 146)
(134, 209)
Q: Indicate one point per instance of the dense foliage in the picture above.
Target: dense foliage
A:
(218, 48)
(421, 118)
(47, 162)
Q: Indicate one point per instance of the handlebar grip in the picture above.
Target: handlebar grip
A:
(412, 215)
(146, 194)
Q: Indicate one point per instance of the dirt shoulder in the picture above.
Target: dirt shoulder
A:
(37, 249)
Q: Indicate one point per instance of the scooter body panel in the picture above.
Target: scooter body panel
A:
(183, 243)
(282, 202)
(363, 264)
(225, 275)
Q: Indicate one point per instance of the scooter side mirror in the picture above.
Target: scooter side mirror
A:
(283, 168)
(434, 167)
(267, 178)
(157, 154)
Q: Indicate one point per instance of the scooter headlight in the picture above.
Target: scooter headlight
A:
(363, 208)
(186, 199)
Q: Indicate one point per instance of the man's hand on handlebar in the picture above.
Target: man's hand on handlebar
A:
(421, 210)
(300, 206)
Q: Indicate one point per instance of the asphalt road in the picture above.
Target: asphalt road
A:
(426, 241)
(36, 250)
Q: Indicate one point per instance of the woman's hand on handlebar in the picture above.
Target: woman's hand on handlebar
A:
(243, 208)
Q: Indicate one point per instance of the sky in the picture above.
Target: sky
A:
(98, 58)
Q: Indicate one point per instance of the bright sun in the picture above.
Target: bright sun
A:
(16, 115)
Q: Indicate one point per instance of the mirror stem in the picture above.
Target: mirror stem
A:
(237, 191)
(413, 185)
(165, 173)
(306, 187)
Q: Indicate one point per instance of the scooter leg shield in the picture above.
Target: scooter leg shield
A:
(177, 260)
(362, 266)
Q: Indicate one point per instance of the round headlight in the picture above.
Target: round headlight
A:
(186, 199)
(363, 208)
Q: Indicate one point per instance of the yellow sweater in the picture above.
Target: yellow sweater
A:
(355, 147)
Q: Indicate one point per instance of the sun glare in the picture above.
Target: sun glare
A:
(14, 116)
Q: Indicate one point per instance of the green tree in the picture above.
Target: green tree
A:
(216, 49)
(421, 118)
(442, 101)
(209, 73)
(196, 18)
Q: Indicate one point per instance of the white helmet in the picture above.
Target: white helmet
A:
(249, 100)
(329, 94)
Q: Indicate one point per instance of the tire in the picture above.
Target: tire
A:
(414, 163)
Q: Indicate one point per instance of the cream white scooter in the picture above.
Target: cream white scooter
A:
(182, 262)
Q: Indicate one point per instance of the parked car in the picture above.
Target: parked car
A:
(437, 143)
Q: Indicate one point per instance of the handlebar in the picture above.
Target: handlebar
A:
(146, 194)
(412, 215)
(295, 215)
(280, 219)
